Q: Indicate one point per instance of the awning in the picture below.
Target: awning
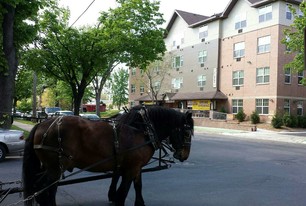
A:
(161, 97)
(214, 95)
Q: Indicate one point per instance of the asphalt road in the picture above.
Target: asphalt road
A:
(221, 171)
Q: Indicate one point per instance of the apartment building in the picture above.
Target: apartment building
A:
(229, 61)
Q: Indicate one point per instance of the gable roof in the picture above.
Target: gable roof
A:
(195, 20)
(255, 4)
(189, 18)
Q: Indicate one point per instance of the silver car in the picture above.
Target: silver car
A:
(11, 141)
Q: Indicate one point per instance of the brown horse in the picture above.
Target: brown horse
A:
(64, 143)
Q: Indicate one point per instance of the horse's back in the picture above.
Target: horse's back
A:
(83, 142)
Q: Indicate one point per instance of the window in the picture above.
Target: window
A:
(300, 77)
(239, 50)
(133, 71)
(265, 13)
(237, 105)
(262, 106)
(141, 88)
(201, 80)
(288, 12)
(133, 88)
(287, 106)
(287, 76)
(299, 109)
(177, 62)
(202, 56)
(286, 44)
(238, 78)
(264, 44)
(177, 83)
(156, 86)
(178, 40)
(300, 13)
(203, 32)
(263, 75)
(156, 69)
(240, 21)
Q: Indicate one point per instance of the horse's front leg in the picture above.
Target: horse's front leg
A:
(113, 187)
(138, 188)
(123, 190)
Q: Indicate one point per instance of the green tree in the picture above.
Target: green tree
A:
(120, 88)
(293, 40)
(18, 28)
(127, 34)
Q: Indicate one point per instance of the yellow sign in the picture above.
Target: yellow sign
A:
(201, 104)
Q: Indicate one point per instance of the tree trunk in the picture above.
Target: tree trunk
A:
(7, 77)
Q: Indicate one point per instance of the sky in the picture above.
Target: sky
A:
(167, 7)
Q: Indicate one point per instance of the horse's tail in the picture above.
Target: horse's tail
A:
(31, 166)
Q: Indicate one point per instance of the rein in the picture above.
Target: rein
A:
(150, 129)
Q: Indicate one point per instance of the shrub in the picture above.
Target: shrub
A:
(240, 116)
(290, 121)
(277, 121)
(223, 110)
(287, 120)
(301, 121)
(255, 119)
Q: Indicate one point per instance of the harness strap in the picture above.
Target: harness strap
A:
(150, 129)
(52, 149)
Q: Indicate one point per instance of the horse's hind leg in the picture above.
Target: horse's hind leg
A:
(48, 188)
(113, 187)
(138, 187)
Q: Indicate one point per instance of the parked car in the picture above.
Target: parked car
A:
(63, 113)
(50, 111)
(11, 141)
(92, 117)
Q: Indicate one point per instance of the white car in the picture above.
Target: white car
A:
(11, 141)
(63, 113)
(92, 117)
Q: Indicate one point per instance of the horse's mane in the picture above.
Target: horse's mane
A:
(158, 115)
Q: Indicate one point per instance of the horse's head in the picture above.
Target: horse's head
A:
(181, 137)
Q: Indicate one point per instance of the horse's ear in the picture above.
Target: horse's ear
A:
(188, 115)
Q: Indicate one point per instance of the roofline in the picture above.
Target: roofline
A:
(206, 21)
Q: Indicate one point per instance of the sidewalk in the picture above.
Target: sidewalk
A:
(26, 127)
(297, 137)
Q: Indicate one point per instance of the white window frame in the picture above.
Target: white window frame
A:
(133, 71)
(133, 88)
(263, 75)
(202, 56)
(264, 44)
(239, 49)
(177, 61)
(240, 21)
(178, 40)
(300, 77)
(288, 12)
(287, 74)
(287, 106)
(265, 13)
(177, 83)
(262, 106)
(299, 108)
(156, 85)
(201, 80)
(203, 32)
(141, 88)
(238, 78)
(237, 105)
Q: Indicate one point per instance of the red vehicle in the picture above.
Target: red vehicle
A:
(92, 107)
